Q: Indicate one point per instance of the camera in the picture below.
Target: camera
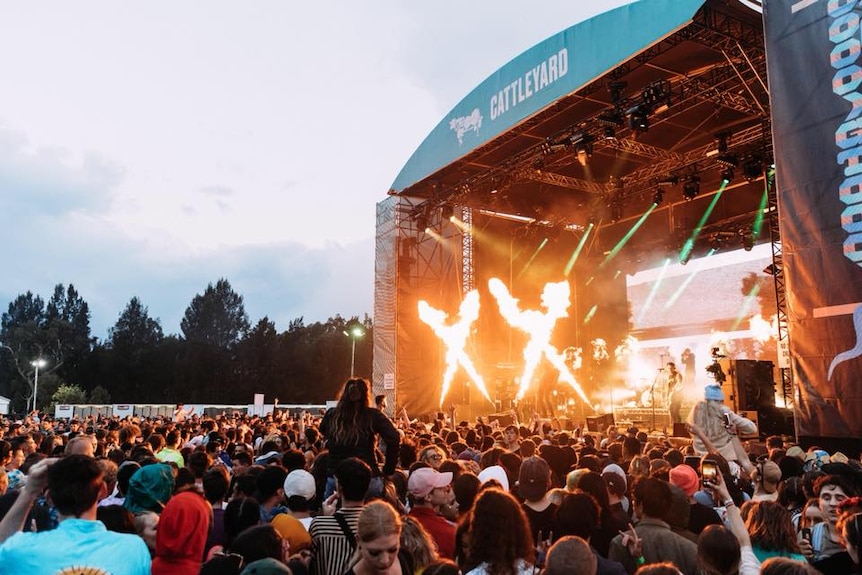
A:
(717, 373)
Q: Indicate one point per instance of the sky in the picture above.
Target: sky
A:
(149, 149)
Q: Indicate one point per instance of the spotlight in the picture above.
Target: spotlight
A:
(610, 133)
(421, 222)
(727, 160)
(715, 243)
(752, 168)
(727, 175)
(447, 212)
(747, 242)
(616, 212)
(639, 118)
(683, 259)
(668, 181)
(691, 188)
(658, 196)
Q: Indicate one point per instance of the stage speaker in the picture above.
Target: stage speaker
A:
(679, 430)
(599, 423)
(502, 419)
(755, 387)
(775, 421)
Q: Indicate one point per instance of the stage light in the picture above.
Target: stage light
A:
(658, 197)
(715, 243)
(668, 181)
(727, 175)
(616, 212)
(422, 222)
(747, 242)
(447, 212)
(752, 168)
(691, 188)
(639, 118)
(610, 133)
(721, 147)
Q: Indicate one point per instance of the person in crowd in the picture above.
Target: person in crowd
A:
(570, 555)
(831, 491)
(351, 429)
(609, 525)
(684, 477)
(430, 491)
(417, 545)
(170, 451)
(785, 566)
(711, 421)
(675, 392)
(75, 486)
(378, 542)
(771, 532)
(492, 550)
(216, 483)
(665, 568)
(182, 534)
(767, 477)
(534, 481)
(726, 551)
(511, 439)
(578, 515)
(333, 533)
(150, 488)
(270, 492)
(432, 456)
(651, 538)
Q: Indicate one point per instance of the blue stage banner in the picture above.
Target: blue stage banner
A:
(813, 54)
(542, 75)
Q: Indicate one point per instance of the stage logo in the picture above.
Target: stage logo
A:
(465, 124)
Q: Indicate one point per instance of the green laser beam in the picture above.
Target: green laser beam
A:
(654, 289)
(543, 243)
(685, 253)
(591, 313)
(757, 226)
(750, 298)
(620, 244)
(577, 252)
(686, 283)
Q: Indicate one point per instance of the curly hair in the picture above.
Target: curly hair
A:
(770, 528)
(500, 548)
(351, 417)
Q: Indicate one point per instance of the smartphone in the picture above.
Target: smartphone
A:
(709, 471)
(727, 420)
(806, 533)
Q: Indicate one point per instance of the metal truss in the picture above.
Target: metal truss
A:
(467, 276)
(785, 373)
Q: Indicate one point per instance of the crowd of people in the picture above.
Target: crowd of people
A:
(352, 491)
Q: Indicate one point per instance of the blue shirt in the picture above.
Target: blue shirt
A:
(76, 542)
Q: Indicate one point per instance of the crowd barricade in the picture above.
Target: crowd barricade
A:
(166, 410)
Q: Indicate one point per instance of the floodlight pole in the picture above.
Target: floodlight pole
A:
(354, 333)
(37, 364)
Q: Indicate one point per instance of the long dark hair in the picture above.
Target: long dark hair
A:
(489, 543)
(350, 419)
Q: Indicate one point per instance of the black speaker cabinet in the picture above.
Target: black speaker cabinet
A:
(502, 419)
(755, 387)
(600, 422)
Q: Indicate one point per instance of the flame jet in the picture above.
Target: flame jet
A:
(455, 336)
(539, 326)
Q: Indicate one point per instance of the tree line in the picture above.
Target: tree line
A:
(219, 357)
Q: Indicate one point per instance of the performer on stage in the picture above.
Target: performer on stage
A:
(675, 392)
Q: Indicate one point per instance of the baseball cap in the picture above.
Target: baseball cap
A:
(425, 479)
(300, 482)
(614, 468)
(268, 566)
(534, 478)
(495, 472)
(771, 472)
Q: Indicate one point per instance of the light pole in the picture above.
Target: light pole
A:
(37, 364)
(355, 333)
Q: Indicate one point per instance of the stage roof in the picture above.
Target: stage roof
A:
(590, 124)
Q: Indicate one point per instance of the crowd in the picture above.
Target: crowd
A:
(352, 491)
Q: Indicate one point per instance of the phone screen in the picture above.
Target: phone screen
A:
(709, 471)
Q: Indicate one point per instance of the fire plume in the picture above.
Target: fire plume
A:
(539, 326)
(454, 336)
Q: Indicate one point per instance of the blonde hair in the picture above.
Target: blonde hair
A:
(377, 519)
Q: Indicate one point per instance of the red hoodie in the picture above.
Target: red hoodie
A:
(182, 535)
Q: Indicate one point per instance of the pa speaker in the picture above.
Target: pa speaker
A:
(755, 387)
(600, 422)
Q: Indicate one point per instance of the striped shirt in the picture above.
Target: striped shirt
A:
(331, 551)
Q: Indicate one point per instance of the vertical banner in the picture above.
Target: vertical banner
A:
(813, 56)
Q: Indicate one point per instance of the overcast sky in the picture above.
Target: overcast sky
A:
(148, 149)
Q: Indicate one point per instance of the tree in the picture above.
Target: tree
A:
(135, 330)
(68, 394)
(23, 339)
(216, 318)
(100, 396)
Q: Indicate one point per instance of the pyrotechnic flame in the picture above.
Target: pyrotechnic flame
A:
(538, 326)
(600, 349)
(630, 346)
(763, 330)
(573, 358)
(455, 336)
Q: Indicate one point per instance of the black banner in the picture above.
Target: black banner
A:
(814, 56)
